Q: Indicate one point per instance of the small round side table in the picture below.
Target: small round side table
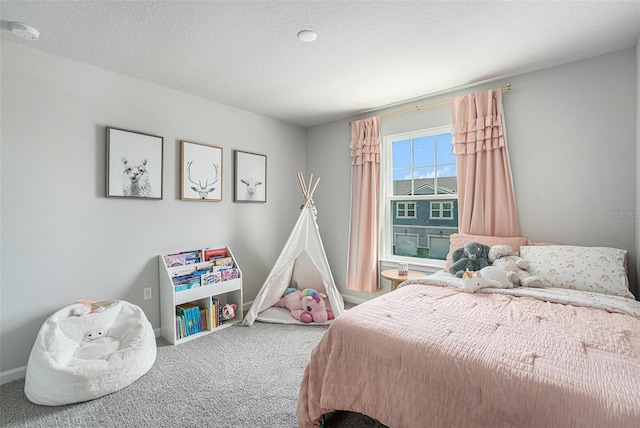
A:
(395, 278)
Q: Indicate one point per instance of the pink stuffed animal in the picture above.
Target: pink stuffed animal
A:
(89, 307)
(228, 311)
(307, 305)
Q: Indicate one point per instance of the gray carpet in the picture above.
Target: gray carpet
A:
(236, 377)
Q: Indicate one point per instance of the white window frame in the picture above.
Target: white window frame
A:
(406, 209)
(386, 196)
(441, 210)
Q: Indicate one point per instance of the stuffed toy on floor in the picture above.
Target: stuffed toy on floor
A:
(307, 305)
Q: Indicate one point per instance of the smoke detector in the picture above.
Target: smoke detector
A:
(307, 35)
(25, 31)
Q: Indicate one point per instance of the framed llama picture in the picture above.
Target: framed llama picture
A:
(134, 164)
(200, 172)
(250, 178)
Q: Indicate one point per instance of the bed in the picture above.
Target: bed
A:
(430, 354)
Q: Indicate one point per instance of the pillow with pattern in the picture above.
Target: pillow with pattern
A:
(595, 269)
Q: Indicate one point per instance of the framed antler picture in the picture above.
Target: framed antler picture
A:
(201, 172)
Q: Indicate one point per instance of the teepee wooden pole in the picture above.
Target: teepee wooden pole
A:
(302, 185)
(314, 188)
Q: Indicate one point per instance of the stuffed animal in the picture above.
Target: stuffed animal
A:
(93, 334)
(228, 311)
(473, 256)
(306, 305)
(89, 307)
(489, 276)
(96, 344)
(503, 257)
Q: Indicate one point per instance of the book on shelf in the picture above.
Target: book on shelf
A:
(191, 279)
(215, 308)
(211, 278)
(183, 312)
(182, 271)
(214, 253)
(228, 274)
(205, 277)
(183, 258)
(204, 319)
(191, 316)
(224, 261)
(179, 327)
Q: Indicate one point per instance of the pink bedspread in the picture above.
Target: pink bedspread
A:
(435, 356)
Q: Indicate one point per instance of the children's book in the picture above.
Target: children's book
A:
(224, 261)
(191, 315)
(215, 308)
(210, 278)
(214, 253)
(227, 274)
(183, 258)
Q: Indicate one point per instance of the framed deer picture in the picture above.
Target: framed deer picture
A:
(250, 177)
(201, 172)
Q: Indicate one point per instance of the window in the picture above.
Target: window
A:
(419, 195)
(442, 210)
(406, 210)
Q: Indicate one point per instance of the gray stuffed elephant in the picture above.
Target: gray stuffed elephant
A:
(473, 256)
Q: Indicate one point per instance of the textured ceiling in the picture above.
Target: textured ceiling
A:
(368, 53)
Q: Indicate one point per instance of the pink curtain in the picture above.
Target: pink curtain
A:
(364, 232)
(486, 200)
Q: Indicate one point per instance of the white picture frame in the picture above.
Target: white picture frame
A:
(201, 172)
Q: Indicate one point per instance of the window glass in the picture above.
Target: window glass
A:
(420, 166)
(424, 151)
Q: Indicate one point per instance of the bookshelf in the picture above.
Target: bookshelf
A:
(188, 279)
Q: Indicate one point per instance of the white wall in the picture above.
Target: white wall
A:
(62, 240)
(572, 141)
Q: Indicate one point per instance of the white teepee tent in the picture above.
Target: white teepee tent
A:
(302, 263)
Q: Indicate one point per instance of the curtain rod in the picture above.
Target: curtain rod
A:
(507, 87)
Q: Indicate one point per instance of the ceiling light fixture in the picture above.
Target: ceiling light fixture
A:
(25, 31)
(307, 36)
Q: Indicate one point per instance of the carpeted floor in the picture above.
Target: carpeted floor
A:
(236, 377)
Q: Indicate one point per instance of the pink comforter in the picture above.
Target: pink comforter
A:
(435, 356)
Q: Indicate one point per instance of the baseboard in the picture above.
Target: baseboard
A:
(13, 374)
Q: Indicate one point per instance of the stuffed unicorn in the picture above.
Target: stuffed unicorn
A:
(306, 305)
(489, 276)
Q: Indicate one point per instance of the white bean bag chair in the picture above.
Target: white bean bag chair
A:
(79, 358)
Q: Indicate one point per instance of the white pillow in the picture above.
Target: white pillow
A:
(595, 269)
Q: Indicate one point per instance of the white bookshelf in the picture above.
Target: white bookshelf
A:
(226, 292)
